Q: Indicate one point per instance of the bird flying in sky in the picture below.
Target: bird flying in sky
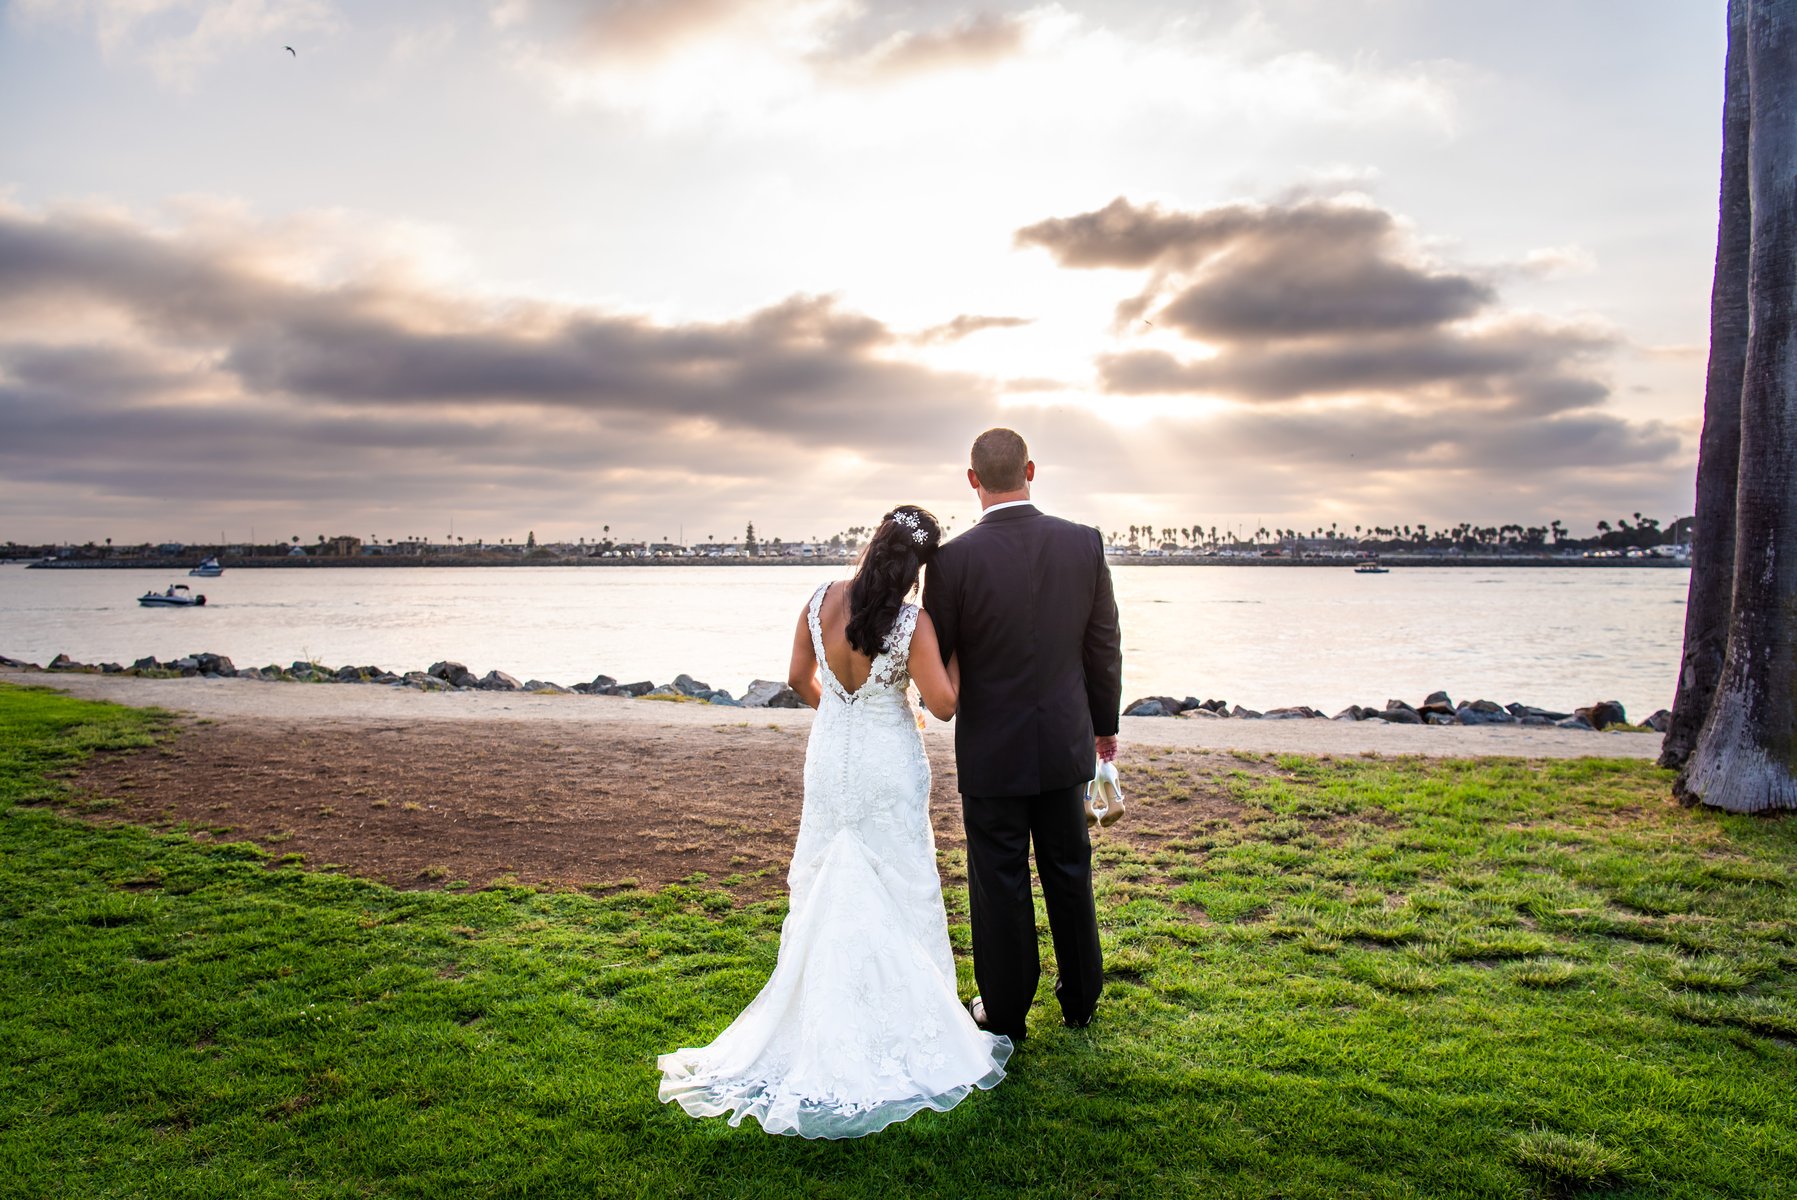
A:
(291, 51)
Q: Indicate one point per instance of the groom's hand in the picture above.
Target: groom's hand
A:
(1107, 748)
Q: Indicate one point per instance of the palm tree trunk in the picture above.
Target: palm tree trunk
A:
(1746, 755)
(1719, 450)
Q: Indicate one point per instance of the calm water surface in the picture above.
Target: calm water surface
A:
(1260, 637)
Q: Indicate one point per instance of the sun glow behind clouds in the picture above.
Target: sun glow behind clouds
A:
(751, 252)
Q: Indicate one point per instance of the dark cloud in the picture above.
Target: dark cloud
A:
(803, 366)
(1523, 364)
(963, 325)
(1306, 268)
(209, 376)
(1129, 236)
(1319, 298)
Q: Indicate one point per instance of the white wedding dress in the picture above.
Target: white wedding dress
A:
(860, 1025)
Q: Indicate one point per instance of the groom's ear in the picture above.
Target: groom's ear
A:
(973, 479)
(1029, 472)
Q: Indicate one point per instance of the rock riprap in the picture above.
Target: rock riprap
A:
(1438, 708)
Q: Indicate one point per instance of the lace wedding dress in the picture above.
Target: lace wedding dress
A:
(860, 1025)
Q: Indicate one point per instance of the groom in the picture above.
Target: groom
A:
(1025, 600)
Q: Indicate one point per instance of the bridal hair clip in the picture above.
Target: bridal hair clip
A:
(907, 518)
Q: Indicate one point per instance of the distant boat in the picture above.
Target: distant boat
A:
(177, 596)
(208, 569)
(1371, 568)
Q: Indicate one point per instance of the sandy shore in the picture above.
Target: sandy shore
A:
(299, 703)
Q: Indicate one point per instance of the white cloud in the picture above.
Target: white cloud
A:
(799, 66)
(178, 39)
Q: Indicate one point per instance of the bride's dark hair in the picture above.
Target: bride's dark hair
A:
(905, 540)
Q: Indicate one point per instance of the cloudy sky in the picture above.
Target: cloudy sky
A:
(675, 265)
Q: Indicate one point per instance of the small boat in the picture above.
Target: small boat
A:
(208, 569)
(1371, 568)
(177, 596)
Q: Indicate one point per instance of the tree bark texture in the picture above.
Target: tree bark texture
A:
(1713, 526)
(1746, 754)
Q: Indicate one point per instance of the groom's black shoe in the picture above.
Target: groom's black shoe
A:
(1067, 1018)
(976, 1008)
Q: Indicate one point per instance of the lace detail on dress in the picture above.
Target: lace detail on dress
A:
(890, 669)
(860, 1024)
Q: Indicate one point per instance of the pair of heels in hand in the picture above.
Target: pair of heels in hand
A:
(1104, 797)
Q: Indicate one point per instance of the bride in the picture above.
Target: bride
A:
(860, 1025)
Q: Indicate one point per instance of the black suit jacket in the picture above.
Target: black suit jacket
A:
(1026, 601)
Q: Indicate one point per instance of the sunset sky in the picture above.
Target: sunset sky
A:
(540, 265)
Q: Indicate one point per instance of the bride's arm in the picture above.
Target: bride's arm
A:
(801, 676)
(940, 691)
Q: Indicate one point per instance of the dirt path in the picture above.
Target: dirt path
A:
(423, 804)
(596, 792)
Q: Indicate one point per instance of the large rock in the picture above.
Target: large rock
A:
(1245, 714)
(686, 685)
(640, 688)
(189, 666)
(63, 662)
(1199, 713)
(146, 664)
(454, 674)
(498, 681)
(1574, 722)
(1166, 706)
(426, 682)
(215, 664)
(1437, 702)
(1294, 712)
(766, 693)
(600, 683)
(1483, 712)
(762, 692)
(539, 685)
(1603, 714)
(1659, 722)
(1399, 713)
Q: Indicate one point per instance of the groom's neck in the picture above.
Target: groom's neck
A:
(988, 499)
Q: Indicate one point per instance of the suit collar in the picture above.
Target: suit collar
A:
(1010, 511)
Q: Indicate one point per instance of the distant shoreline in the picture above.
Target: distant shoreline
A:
(414, 562)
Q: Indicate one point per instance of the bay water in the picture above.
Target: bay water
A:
(1256, 636)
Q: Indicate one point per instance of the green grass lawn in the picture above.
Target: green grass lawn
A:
(1384, 978)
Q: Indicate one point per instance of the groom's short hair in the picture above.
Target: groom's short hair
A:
(999, 457)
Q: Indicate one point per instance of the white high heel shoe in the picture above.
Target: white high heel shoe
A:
(1104, 797)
